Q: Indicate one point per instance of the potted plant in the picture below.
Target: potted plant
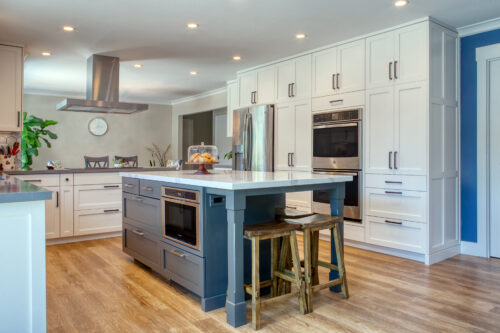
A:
(34, 132)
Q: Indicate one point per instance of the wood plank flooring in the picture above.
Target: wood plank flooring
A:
(94, 287)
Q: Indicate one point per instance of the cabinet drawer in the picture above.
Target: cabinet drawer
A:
(97, 178)
(411, 183)
(299, 200)
(141, 245)
(130, 185)
(150, 188)
(143, 212)
(398, 234)
(98, 196)
(338, 101)
(96, 221)
(404, 205)
(184, 268)
(40, 180)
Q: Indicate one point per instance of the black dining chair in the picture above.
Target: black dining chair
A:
(132, 160)
(96, 162)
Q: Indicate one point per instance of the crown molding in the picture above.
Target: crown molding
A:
(198, 96)
(479, 27)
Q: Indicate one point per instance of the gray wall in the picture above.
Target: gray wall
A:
(197, 128)
(127, 134)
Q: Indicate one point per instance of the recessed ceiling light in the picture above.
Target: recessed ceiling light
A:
(300, 36)
(46, 53)
(236, 57)
(192, 25)
(400, 3)
(137, 65)
(68, 28)
(193, 73)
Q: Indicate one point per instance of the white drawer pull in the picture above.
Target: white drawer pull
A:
(393, 192)
(393, 222)
(393, 182)
(175, 253)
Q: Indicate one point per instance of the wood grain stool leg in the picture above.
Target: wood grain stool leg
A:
(297, 271)
(255, 283)
(307, 268)
(314, 257)
(285, 246)
(274, 265)
(340, 260)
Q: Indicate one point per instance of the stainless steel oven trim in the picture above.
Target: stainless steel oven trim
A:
(337, 124)
(183, 202)
(197, 194)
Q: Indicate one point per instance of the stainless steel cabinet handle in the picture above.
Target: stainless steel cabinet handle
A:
(147, 188)
(175, 253)
(338, 80)
(289, 90)
(390, 160)
(292, 154)
(395, 70)
(136, 199)
(33, 180)
(336, 101)
(111, 186)
(393, 192)
(57, 199)
(390, 70)
(292, 90)
(111, 210)
(18, 118)
(289, 163)
(395, 160)
(393, 222)
(333, 81)
(138, 233)
(392, 182)
(129, 185)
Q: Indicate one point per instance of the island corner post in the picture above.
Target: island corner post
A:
(236, 206)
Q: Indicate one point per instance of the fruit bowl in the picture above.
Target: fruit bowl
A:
(202, 155)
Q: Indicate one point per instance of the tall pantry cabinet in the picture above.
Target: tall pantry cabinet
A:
(11, 88)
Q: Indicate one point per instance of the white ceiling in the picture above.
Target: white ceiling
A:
(154, 33)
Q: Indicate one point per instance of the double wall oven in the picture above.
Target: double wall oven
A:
(337, 149)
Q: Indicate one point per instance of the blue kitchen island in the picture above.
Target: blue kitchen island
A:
(249, 197)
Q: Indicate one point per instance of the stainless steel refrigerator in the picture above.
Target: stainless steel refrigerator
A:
(253, 138)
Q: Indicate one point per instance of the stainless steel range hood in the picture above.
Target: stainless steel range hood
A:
(103, 75)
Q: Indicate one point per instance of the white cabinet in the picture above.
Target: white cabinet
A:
(284, 136)
(66, 211)
(397, 234)
(248, 86)
(52, 217)
(11, 88)
(339, 69)
(97, 196)
(96, 221)
(233, 103)
(398, 56)
(257, 87)
(293, 79)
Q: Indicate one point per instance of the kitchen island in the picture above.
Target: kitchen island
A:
(250, 197)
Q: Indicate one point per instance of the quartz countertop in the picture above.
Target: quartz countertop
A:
(15, 190)
(238, 180)
(80, 170)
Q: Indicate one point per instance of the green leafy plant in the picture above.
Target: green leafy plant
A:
(34, 132)
(228, 155)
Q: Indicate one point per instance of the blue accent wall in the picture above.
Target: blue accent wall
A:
(468, 136)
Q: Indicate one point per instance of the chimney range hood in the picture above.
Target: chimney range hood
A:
(103, 74)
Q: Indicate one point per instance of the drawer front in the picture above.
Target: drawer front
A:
(404, 205)
(339, 101)
(397, 234)
(184, 268)
(411, 183)
(130, 185)
(98, 196)
(143, 212)
(40, 180)
(66, 179)
(150, 188)
(97, 178)
(97, 221)
(141, 245)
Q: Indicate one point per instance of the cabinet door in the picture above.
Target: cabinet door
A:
(411, 129)
(351, 66)
(97, 196)
(52, 217)
(232, 104)
(266, 85)
(411, 54)
(379, 130)
(284, 136)
(66, 210)
(302, 85)
(324, 68)
(301, 201)
(285, 76)
(379, 56)
(301, 155)
(11, 87)
(247, 84)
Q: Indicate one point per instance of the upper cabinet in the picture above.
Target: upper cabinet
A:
(233, 103)
(257, 87)
(11, 88)
(339, 69)
(293, 79)
(399, 56)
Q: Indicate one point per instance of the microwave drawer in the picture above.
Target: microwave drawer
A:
(397, 234)
(143, 212)
(183, 267)
(411, 183)
(141, 245)
(396, 204)
(339, 101)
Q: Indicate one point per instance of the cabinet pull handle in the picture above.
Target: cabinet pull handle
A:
(393, 182)
(293, 89)
(136, 199)
(395, 160)
(292, 155)
(395, 70)
(390, 160)
(390, 70)
(138, 233)
(393, 222)
(338, 80)
(289, 163)
(57, 199)
(333, 81)
(147, 188)
(336, 101)
(393, 192)
(129, 185)
(255, 97)
(33, 180)
(111, 186)
(289, 95)
(111, 210)
(18, 118)
(175, 253)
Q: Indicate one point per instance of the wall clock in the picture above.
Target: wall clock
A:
(98, 126)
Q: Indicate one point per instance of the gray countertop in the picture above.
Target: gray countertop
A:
(90, 170)
(15, 190)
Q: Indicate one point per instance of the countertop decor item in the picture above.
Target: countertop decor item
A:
(98, 126)
(8, 156)
(34, 131)
(159, 154)
(203, 155)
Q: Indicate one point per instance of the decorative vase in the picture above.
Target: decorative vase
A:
(8, 162)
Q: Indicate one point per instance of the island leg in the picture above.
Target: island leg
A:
(337, 196)
(235, 305)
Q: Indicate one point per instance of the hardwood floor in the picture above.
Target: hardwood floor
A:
(94, 287)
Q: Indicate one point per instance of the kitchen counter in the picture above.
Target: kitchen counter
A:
(80, 170)
(15, 190)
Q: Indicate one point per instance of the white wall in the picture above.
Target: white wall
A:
(127, 135)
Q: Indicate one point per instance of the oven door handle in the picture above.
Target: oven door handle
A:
(337, 125)
(181, 202)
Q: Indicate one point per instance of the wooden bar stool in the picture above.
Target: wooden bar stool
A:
(311, 225)
(274, 231)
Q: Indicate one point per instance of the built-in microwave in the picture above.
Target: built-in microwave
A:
(181, 216)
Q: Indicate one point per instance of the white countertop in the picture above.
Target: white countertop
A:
(238, 180)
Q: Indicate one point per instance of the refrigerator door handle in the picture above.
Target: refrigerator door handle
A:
(249, 139)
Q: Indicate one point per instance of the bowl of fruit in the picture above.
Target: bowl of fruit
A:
(202, 155)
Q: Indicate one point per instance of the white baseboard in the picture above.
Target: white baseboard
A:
(81, 238)
(442, 255)
(473, 249)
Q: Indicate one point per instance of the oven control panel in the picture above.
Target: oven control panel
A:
(181, 194)
(337, 116)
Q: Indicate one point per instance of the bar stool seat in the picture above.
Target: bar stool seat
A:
(274, 231)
